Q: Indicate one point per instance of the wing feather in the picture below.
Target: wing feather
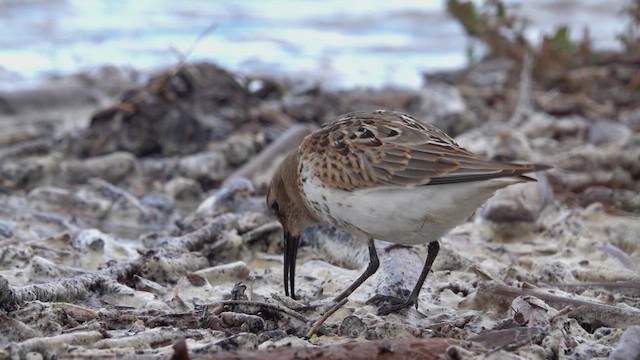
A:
(384, 148)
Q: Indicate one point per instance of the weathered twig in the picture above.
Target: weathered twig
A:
(63, 290)
(259, 231)
(524, 91)
(584, 310)
(151, 338)
(113, 192)
(71, 289)
(48, 346)
(508, 339)
(26, 148)
(324, 317)
(206, 235)
(14, 330)
(633, 286)
(261, 306)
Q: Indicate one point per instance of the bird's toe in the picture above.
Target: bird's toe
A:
(390, 304)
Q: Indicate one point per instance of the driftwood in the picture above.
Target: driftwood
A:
(263, 163)
(323, 318)
(582, 309)
(631, 288)
(180, 259)
(255, 307)
(48, 346)
(435, 348)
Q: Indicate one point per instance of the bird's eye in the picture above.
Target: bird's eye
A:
(275, 207)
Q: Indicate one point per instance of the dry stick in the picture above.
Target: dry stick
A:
(256, 233)
(90, 311)
(206, 235)
(561, 313)
(16, 329)
(115, 192)
(66, 289)
(615, 285)
(182, 57)
(324, 317)
(482, 274)
(26, 148)
(151, 338)
(49, 345)
(260, 304)
(63, 290)
(524, 92)
(607, 315)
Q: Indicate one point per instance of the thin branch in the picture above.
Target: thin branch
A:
(324, 317)
(260, 305)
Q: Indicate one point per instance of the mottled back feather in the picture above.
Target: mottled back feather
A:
(386, 148)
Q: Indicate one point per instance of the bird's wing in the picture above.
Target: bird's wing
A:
(383, 148)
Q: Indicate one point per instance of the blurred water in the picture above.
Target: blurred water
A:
(342, 43)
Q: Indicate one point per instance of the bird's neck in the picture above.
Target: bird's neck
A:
(291, 172)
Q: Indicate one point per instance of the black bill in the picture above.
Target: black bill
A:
(290, 254)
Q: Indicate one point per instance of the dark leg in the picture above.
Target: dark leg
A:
(394, 304)
(374, 263)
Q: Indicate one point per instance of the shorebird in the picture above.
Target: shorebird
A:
(384, 175)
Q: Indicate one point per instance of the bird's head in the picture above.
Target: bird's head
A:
(285, 201)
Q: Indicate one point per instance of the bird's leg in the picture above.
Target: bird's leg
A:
(374, 263)
(392, 303)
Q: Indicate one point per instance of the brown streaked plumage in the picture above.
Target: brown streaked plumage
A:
(387, 176)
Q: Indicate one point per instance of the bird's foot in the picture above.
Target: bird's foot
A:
(389, 304)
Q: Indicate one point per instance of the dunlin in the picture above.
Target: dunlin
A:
(384, 175)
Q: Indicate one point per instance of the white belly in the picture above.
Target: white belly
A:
(406, 216)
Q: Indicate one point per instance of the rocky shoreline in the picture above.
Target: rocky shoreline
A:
(133, 219)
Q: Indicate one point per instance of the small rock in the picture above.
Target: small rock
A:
(112, 167)
(597, 193)
(352, 326)
(437, 101)
(240, 148)
(225, 273)
(555, 272)
(29, 172)
(204, 166)
(491, 72)
(7, 228)
(608, 133)
(253, 323)
(273, 335)
(34, 356)
(521, 202)
(629, 345)
(242, 341)
(506, 338)
(631, 118)
(42, 270)
(184, 190)
(531, 311)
